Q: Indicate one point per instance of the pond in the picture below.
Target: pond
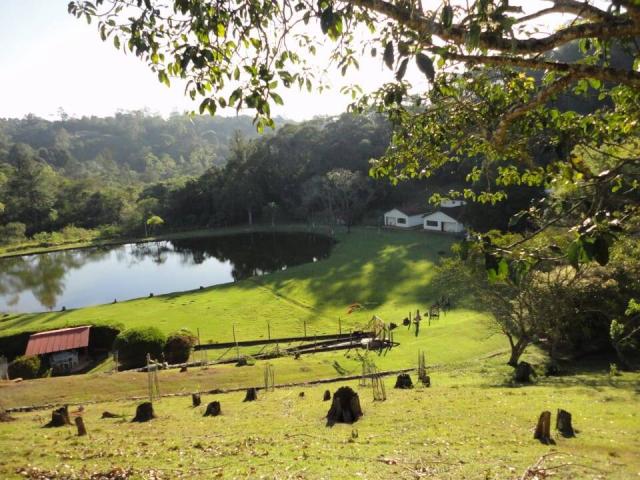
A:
(77, 278)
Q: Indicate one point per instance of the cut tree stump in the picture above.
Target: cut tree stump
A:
(345, 407)
(563, 424)
(60, 417)
(524, 372)
(404, 381)
(144, 412)
(327, 396)
(195, 399)
(252, 394)
(426, 381)
(183, 369)
(301, 394)
(406, 322)
(213, 409)
(110, 415)
(543, 428)
(82, 430)
(4, 416)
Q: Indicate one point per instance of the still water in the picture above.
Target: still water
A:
(77, 278)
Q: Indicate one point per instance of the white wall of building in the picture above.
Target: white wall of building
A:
(396, 218)
(440, 222)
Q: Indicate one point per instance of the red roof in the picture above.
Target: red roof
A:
(58, 340)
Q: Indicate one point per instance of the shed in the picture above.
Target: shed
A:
(63, 348)
(444, 220)
(403, 218)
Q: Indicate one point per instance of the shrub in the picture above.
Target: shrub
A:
(12, 232)
(25, 367)
(102, 337)
(134, 344)
(179, 345)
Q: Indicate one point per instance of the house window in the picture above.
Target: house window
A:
(432, 223)
(402, 221)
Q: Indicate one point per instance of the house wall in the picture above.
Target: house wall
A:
(451, 203)
(440, 222)
(395, 218)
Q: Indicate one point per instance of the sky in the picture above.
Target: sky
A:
(51, 60)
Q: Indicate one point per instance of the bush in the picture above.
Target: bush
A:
(25, 367)
(102, 337)
(179, 345)
(12, 232)
(134, 344)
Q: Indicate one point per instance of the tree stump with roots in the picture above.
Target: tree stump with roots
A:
(252, 394)
(543, 428)
(563, 424)
(404, 381)
(144, 412)
(60, 417)
(524, 372)
(195, 399)
(345, 407)
(213, 409)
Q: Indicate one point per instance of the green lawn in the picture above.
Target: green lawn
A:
(467, 425)
(471, 424)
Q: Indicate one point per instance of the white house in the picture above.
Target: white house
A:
(405, 218)
(446, 219)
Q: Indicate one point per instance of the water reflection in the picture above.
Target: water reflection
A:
(77, 278)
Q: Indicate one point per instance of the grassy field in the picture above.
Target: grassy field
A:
(473, 423)
(467, 425)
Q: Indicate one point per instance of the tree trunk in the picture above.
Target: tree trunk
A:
(195, 399)
(563, 423)
(82, 430)
(543, 428)
(517, 349)
(213, 409)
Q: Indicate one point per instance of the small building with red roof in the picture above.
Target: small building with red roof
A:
(66, 348)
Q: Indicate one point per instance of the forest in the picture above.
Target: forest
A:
(114, 174)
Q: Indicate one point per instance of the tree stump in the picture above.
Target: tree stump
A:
(195, 399)
(426, 381)
(327, 396)
(82, 430)
(242, 362)
(543, 428)
(404, 381)
(144, 412)
(301, 394)
(183, 369)
(213, 409)
(252, 394)
(4, 416)
(563, 424)
(345, 407)
(406, 322)
(524, 372)
(110, 415)
(60, 417)
(392, 326)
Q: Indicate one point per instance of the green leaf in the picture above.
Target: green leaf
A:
(447, 17)
(326, 19)
(402, 69)
(426, 66)
(388, 55)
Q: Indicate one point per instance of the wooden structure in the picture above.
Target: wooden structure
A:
(66, 349)
(269, 378)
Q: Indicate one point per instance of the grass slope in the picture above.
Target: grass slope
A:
(388, 272)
